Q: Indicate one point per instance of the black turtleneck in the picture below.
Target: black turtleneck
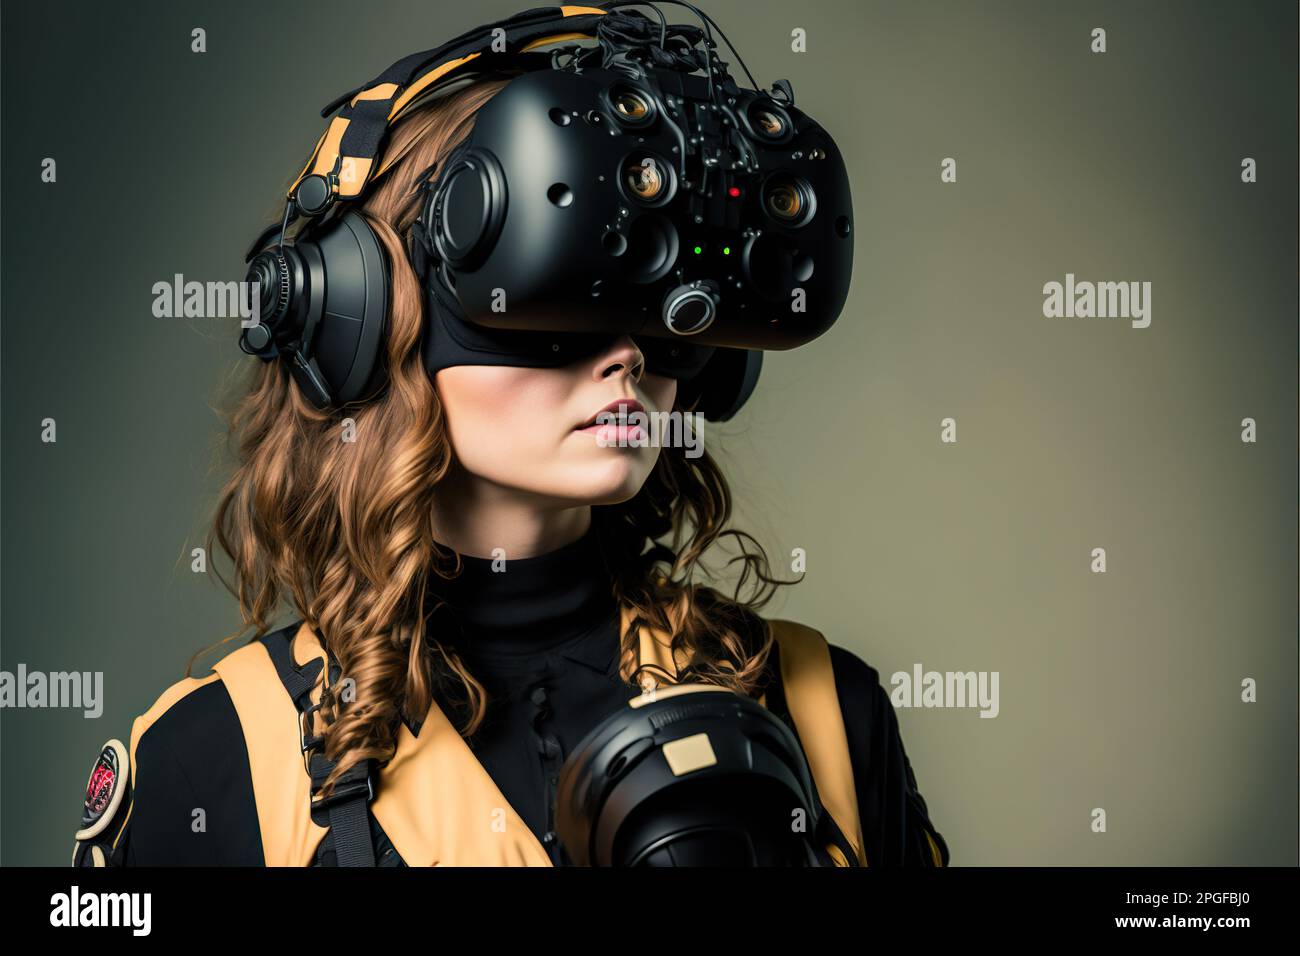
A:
(541, 634)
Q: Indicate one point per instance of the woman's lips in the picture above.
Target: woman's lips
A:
(614, 434)
(619, 407)
(610, 425)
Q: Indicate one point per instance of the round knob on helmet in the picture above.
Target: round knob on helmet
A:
(691, 308)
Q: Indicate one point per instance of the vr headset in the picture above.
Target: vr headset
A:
(626, 186)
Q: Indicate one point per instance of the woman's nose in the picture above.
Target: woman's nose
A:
(622, 357)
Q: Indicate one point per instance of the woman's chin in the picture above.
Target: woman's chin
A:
(613, 477)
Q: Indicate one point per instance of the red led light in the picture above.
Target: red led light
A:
(734, 192)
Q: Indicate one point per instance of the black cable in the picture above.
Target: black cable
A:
(705, 19)
(752, 82)
(708, 36)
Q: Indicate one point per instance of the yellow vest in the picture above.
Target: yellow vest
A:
(434, 784)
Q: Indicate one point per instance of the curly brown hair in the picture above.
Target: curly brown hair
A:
(344, 530)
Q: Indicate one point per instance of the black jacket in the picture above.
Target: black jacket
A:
(543, 639)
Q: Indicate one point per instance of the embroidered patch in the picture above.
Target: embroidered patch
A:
(104, 789)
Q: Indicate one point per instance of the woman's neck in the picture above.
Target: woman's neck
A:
(481, 519)
(523, 605)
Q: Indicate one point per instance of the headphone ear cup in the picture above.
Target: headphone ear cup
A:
(348, 281)
(725, 383)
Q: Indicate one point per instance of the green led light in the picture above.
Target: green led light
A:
(726, 250)
(698, 250)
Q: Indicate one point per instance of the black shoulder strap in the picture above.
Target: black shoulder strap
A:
(345, 810)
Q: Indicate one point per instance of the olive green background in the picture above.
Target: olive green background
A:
(1118, 690)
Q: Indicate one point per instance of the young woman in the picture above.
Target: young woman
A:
(485, 570)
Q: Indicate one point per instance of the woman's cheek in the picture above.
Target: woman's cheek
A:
(508, 425)
(499, 418)
(661, 390)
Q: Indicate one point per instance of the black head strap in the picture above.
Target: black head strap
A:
(345, 155)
